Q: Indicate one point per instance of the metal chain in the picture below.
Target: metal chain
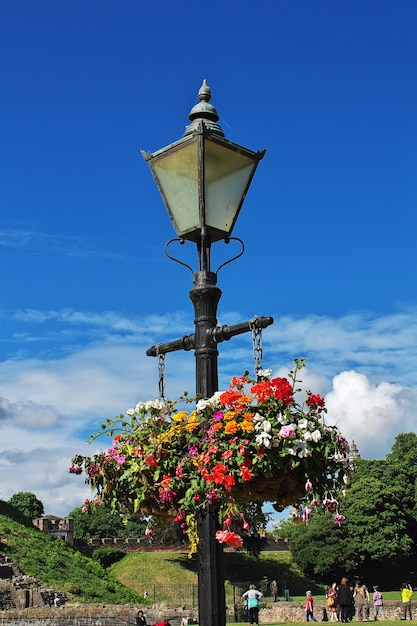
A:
(257, 346)
(161, 372)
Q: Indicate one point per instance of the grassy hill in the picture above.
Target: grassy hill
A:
(146, 570)
(56, 564)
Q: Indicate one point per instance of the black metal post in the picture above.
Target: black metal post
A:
(211, 595)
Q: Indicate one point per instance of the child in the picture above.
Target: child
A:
(310, 607)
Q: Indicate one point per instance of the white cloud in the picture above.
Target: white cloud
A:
(371, 415)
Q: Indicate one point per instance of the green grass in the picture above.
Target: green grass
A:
(144, 570)
(58, 565)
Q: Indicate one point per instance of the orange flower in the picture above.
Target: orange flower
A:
(231, 427)
(247, 426)
(116, 437)
(263, 390)
(238, 381)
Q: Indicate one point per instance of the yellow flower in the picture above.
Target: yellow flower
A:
(192, 424)
(180, 416)
(229, 415)
(170, 434)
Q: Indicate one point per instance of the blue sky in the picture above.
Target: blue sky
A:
(329, 223)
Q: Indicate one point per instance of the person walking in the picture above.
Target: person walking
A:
(252, 595)
(345, 601)
(361, 595)
(332, 602)
(406, 595)
(378, 603)
(310, 607)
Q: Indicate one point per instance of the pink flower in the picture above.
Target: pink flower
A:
(287, 432)
(309, 485)
(338, 519)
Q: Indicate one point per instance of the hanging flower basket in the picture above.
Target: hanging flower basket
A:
(250, 443)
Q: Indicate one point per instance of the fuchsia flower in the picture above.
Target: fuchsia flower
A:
(306, 513)
(338, 519)
(232, 539)
(308, 485)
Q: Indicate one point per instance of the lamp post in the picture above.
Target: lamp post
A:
(203, 179)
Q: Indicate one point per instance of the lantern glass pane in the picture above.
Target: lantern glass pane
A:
(177, 176)
(227, 175)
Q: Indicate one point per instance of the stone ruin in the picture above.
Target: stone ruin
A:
(18, 591)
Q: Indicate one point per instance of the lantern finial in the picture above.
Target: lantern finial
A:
(204, 111)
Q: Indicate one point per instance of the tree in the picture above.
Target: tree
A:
(27, 504)
(376, 540)
(101, 523)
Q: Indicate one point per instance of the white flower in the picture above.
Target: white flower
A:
(263, 439)
(258, 418)
(264, 373)
(130, 412)
(312, 436)
(282, 419)
(316, 435)
(210, 402)
(267, 426)
(303, 424)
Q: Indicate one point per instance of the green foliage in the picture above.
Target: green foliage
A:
(27, 504)
(107, 556)
(101, 522)
(58, 565)
(376, 542)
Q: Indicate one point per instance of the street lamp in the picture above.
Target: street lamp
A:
(203, 179)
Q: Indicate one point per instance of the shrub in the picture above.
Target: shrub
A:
(107, 556)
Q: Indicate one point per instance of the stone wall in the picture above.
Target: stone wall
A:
(124, 615)
(93, 615)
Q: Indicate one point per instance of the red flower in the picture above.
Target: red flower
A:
(232, 539)
(227, 454)
(246, 473)
(219, 473)
(150, 460)
(283, 390)
(229, 481)
(315, 401)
